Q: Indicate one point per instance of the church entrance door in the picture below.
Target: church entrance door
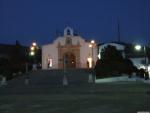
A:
(69, 60)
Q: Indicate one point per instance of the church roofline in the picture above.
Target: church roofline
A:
(115, 42)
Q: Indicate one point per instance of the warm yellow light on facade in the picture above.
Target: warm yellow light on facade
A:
(50, 63)
(90, 62)
(90, 45)
(32, 48)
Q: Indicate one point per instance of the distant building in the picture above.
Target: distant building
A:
(68, 51)
(12, 59)
(7, 50)
(119, 47)
(128, 51)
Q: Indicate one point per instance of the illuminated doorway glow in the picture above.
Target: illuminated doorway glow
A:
(89, 62)
(50, 63)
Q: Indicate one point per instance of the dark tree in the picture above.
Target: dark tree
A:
(18, 58)
(113, 64)
(111, 53)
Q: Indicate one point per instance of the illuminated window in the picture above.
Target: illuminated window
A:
(89, 62)
(50, 63)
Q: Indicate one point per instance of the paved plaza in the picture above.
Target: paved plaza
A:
(46, 94)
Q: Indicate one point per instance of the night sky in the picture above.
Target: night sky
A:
(41, 20)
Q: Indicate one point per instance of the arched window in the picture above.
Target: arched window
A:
(68, 32)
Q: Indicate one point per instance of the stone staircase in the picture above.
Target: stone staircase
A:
(52, 77)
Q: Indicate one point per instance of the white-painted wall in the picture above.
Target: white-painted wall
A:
(118, 46)
(87, 52)
(51, 50)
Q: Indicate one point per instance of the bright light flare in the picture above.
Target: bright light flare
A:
(138, 47)
(32, 48)
(90, 62)
(92, 41)
(90, 45)
(50, 63)
(32, 53)
(34, 44)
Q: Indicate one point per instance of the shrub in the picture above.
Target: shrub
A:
(113, 64)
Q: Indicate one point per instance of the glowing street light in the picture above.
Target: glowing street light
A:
(91, 60)
(91, 45)
(34, 44)
(138, 47)
(32, 48)
(92, 42)
(32, 53)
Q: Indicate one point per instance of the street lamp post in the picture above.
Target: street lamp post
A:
(139, 47)
(92, 45)
(146, 64)
(33, 53)
(92, 42)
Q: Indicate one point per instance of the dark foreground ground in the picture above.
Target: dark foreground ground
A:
(120, 97)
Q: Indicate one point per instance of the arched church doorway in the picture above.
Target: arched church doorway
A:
(69, 60)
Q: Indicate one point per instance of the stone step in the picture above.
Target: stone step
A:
(52, 77)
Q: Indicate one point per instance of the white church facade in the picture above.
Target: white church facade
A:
(69, 51)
